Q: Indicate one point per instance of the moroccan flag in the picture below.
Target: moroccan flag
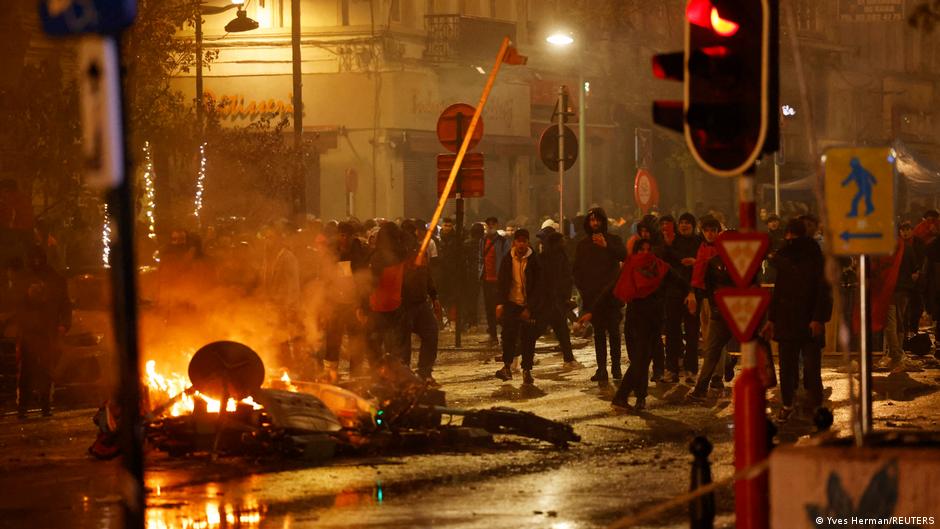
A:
(513, 56)
(640, 276)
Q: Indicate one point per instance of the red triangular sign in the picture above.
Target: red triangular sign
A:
(742, 309)
(742, 253)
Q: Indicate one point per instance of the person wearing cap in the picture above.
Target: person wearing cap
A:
(518, 300)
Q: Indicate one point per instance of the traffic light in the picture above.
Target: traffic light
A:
(729, 68)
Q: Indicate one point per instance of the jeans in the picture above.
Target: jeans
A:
(419, 319)
(515, 329)
(680, 324)
(895, 325)
(36, 359)
(791, 351)
(718, 336)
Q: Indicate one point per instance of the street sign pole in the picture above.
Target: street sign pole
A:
(459, 229)
(865, 411)
(562, 109)
(108, 165)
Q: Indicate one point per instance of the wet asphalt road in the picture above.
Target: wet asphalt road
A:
(625, 462)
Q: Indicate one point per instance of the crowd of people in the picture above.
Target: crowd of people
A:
(648, 285)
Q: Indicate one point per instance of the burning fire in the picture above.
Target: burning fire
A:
(163, 388)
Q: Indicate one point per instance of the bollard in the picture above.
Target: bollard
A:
(701, 509)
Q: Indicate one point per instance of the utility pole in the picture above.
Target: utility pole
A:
(299, 180)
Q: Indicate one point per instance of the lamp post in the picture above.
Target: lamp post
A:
(563, 39)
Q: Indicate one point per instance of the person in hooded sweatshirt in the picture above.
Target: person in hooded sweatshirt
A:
(596, 265)
(642, 284)
(682, 356)
(799, 309)
(556, 284)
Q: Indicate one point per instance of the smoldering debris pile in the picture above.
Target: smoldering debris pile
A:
(230, 414)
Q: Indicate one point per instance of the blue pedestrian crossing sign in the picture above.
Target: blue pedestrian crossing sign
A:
(72, 17)
(860, 200)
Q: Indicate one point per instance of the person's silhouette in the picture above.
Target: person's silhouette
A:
(865, 182)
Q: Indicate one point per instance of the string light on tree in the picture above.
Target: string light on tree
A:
(149, 193)
(106, 239)
(200, 180)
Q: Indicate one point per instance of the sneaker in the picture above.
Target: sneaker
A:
(656, 377)
(527, 377)
(620, 403)
(430, 382)
(783, 415)
(689, 377)
(571, 365)
(695, 397)
(717, 383)
(729, 368)
(616, 374)
(669, 378)
(887, 362)
(504, 374)
(640, 404)
(599, 376)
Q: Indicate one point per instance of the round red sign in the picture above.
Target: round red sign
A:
(645, 190)
(453, 124)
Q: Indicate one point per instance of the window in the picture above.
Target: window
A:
(344, 12)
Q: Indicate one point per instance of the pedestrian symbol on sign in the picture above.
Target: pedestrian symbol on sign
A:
(865, 181)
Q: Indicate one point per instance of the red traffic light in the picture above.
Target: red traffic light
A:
(706, 14)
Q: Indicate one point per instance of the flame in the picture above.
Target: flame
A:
(288, 385)
(163, 388)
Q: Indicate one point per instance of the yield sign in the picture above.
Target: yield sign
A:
(742, 253)
(742, 309)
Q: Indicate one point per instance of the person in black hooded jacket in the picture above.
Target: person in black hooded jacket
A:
(556, 284)
(799, 309)
(680, 252)
(596, 265)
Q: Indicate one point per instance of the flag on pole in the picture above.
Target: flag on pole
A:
(514, 57)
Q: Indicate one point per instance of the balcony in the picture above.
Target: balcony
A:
(452, 38)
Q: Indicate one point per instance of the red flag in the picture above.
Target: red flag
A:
(640, 276)
(514, 57)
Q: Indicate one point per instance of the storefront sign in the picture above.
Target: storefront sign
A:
(240, 107)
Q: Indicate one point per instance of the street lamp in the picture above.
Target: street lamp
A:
(240, 23)
(562, 39)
